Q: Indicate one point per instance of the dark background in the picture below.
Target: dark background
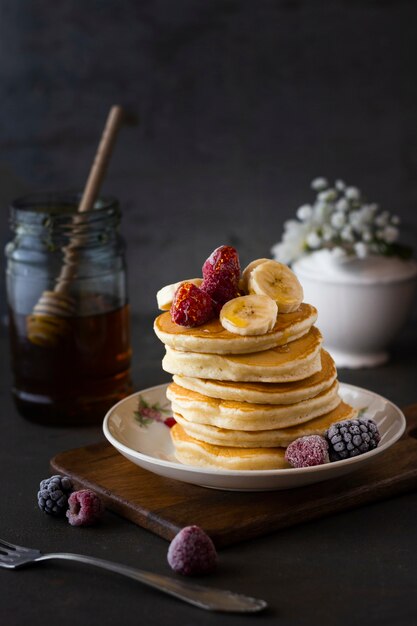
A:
(241, 104)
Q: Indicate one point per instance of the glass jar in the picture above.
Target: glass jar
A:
(69, 317)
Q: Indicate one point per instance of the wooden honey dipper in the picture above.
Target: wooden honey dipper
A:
(48, 321)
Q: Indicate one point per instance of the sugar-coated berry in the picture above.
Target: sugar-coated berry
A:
(53, 495)
(221, 273)
(192, 552)
(221, 289)
(307, 451)
(85, 508)
(350, 438)
(222, 261)
(191, 306)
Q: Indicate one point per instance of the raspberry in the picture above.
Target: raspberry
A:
(85, 508)
(223, 261)
(221, 289)
(53, 495)
(307, 451)
(192, 552)
(191, 306)
(221, 272)
(352, 437)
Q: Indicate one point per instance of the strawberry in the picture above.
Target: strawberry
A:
(191, 306)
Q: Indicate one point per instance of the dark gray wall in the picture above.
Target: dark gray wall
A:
(241, 102)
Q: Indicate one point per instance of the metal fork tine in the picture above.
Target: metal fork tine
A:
(5, 544)
(12, 546)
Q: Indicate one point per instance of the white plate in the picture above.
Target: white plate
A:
(135, 427)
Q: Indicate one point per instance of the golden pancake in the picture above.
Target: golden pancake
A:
(265, 393)
(212, 338)
(293, 361)
(193, 452)
(264, 438)
(195, 407)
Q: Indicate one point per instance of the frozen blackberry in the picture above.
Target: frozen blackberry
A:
(53, 495)
(352, 437)
(85, 508)
(307, 451)
(192, 552)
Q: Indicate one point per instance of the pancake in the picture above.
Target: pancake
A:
(212, 338)
(265, 393)
(195, 407)
(200, 454)
(294, 361)
(264, 438)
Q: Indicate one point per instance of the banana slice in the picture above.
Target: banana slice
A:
(277, 281)
(165, 296)
(249, 315)
(243, 283)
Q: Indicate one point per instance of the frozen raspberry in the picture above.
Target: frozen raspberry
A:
(223, 261)
(53, 495)
(85, 508)
(352, 437)
(307, 451)
(191, 306)
(192, 552)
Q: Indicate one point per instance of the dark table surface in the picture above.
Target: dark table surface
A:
(356, 567)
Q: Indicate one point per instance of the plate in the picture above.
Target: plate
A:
(138, 427)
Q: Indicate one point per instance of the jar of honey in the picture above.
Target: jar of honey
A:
(69, 322)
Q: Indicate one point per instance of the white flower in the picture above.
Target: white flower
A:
(342, 204)
(327, 196)
(356, 219)
(313, 240)
(382, 219)
(352, 193)
(347, 234)
(338, 252)
(338, 220)
(327, 232)
(321, 212)
(390, 234)
(361, 249)
(304, 212)
(367, 212)
(291, 226)
(319, 183)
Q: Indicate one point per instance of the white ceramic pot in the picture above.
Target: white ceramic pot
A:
(362, 304)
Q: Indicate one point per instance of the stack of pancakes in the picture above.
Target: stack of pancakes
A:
(239, 401)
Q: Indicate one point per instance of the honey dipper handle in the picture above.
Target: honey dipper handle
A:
(101, 159)
(91, 190)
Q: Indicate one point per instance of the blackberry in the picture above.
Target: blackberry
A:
(53, 495)
(352, 437)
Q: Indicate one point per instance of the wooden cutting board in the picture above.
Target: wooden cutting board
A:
(164, 506)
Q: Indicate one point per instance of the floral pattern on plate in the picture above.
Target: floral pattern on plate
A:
(147, 413)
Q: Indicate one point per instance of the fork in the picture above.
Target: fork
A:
(209, 598)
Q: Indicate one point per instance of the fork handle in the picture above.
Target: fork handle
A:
(203, 597)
